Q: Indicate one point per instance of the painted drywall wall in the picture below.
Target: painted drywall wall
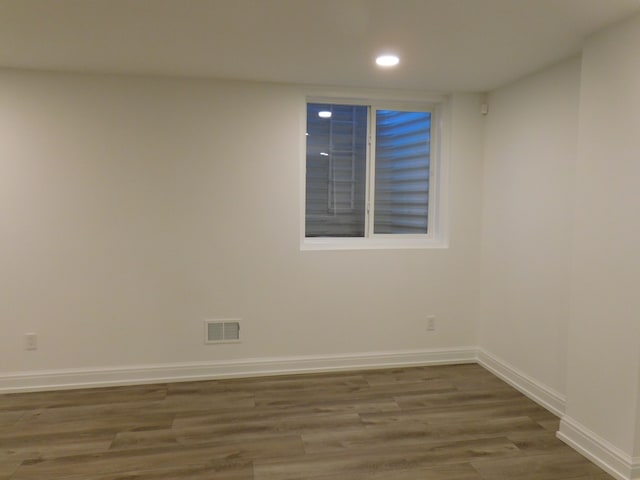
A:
(636, 449)
(530, 153)
(134, 208)
(604, 330)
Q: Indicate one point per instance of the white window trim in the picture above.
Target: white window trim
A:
(438, 236)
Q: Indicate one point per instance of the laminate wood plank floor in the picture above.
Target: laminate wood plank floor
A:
(456, 422)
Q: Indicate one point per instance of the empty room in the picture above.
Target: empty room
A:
(319, 239)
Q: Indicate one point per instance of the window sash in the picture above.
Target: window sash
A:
(336, 170)
(414, 216)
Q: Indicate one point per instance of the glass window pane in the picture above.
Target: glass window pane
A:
(403, 145)
(336, 170)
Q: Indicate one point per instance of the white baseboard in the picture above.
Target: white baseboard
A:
(180, 372)
(598, 450)
(536, 391)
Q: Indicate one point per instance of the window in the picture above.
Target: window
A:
(370, 175)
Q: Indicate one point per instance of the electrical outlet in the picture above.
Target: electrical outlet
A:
(431, 323)
(30, 341)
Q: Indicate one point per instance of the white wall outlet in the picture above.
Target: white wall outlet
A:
(30, 341)
(431, 323)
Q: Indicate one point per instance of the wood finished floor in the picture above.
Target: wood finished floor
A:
(435, 423)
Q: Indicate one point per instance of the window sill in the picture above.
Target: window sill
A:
(378, 243)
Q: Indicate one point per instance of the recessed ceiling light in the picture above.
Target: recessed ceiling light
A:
(324, 114)
(324, 154)
(387, 60)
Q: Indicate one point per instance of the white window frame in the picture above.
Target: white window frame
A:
(437, 236)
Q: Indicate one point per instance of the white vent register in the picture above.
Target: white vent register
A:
(222, 331)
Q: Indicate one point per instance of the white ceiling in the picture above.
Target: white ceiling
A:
(445, 45)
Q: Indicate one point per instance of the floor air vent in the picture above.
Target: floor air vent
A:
(222, 331)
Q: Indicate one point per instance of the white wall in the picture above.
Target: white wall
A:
(132, 208)
(561, 227)
(636, 449)
(530, 153)
(604, 333)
